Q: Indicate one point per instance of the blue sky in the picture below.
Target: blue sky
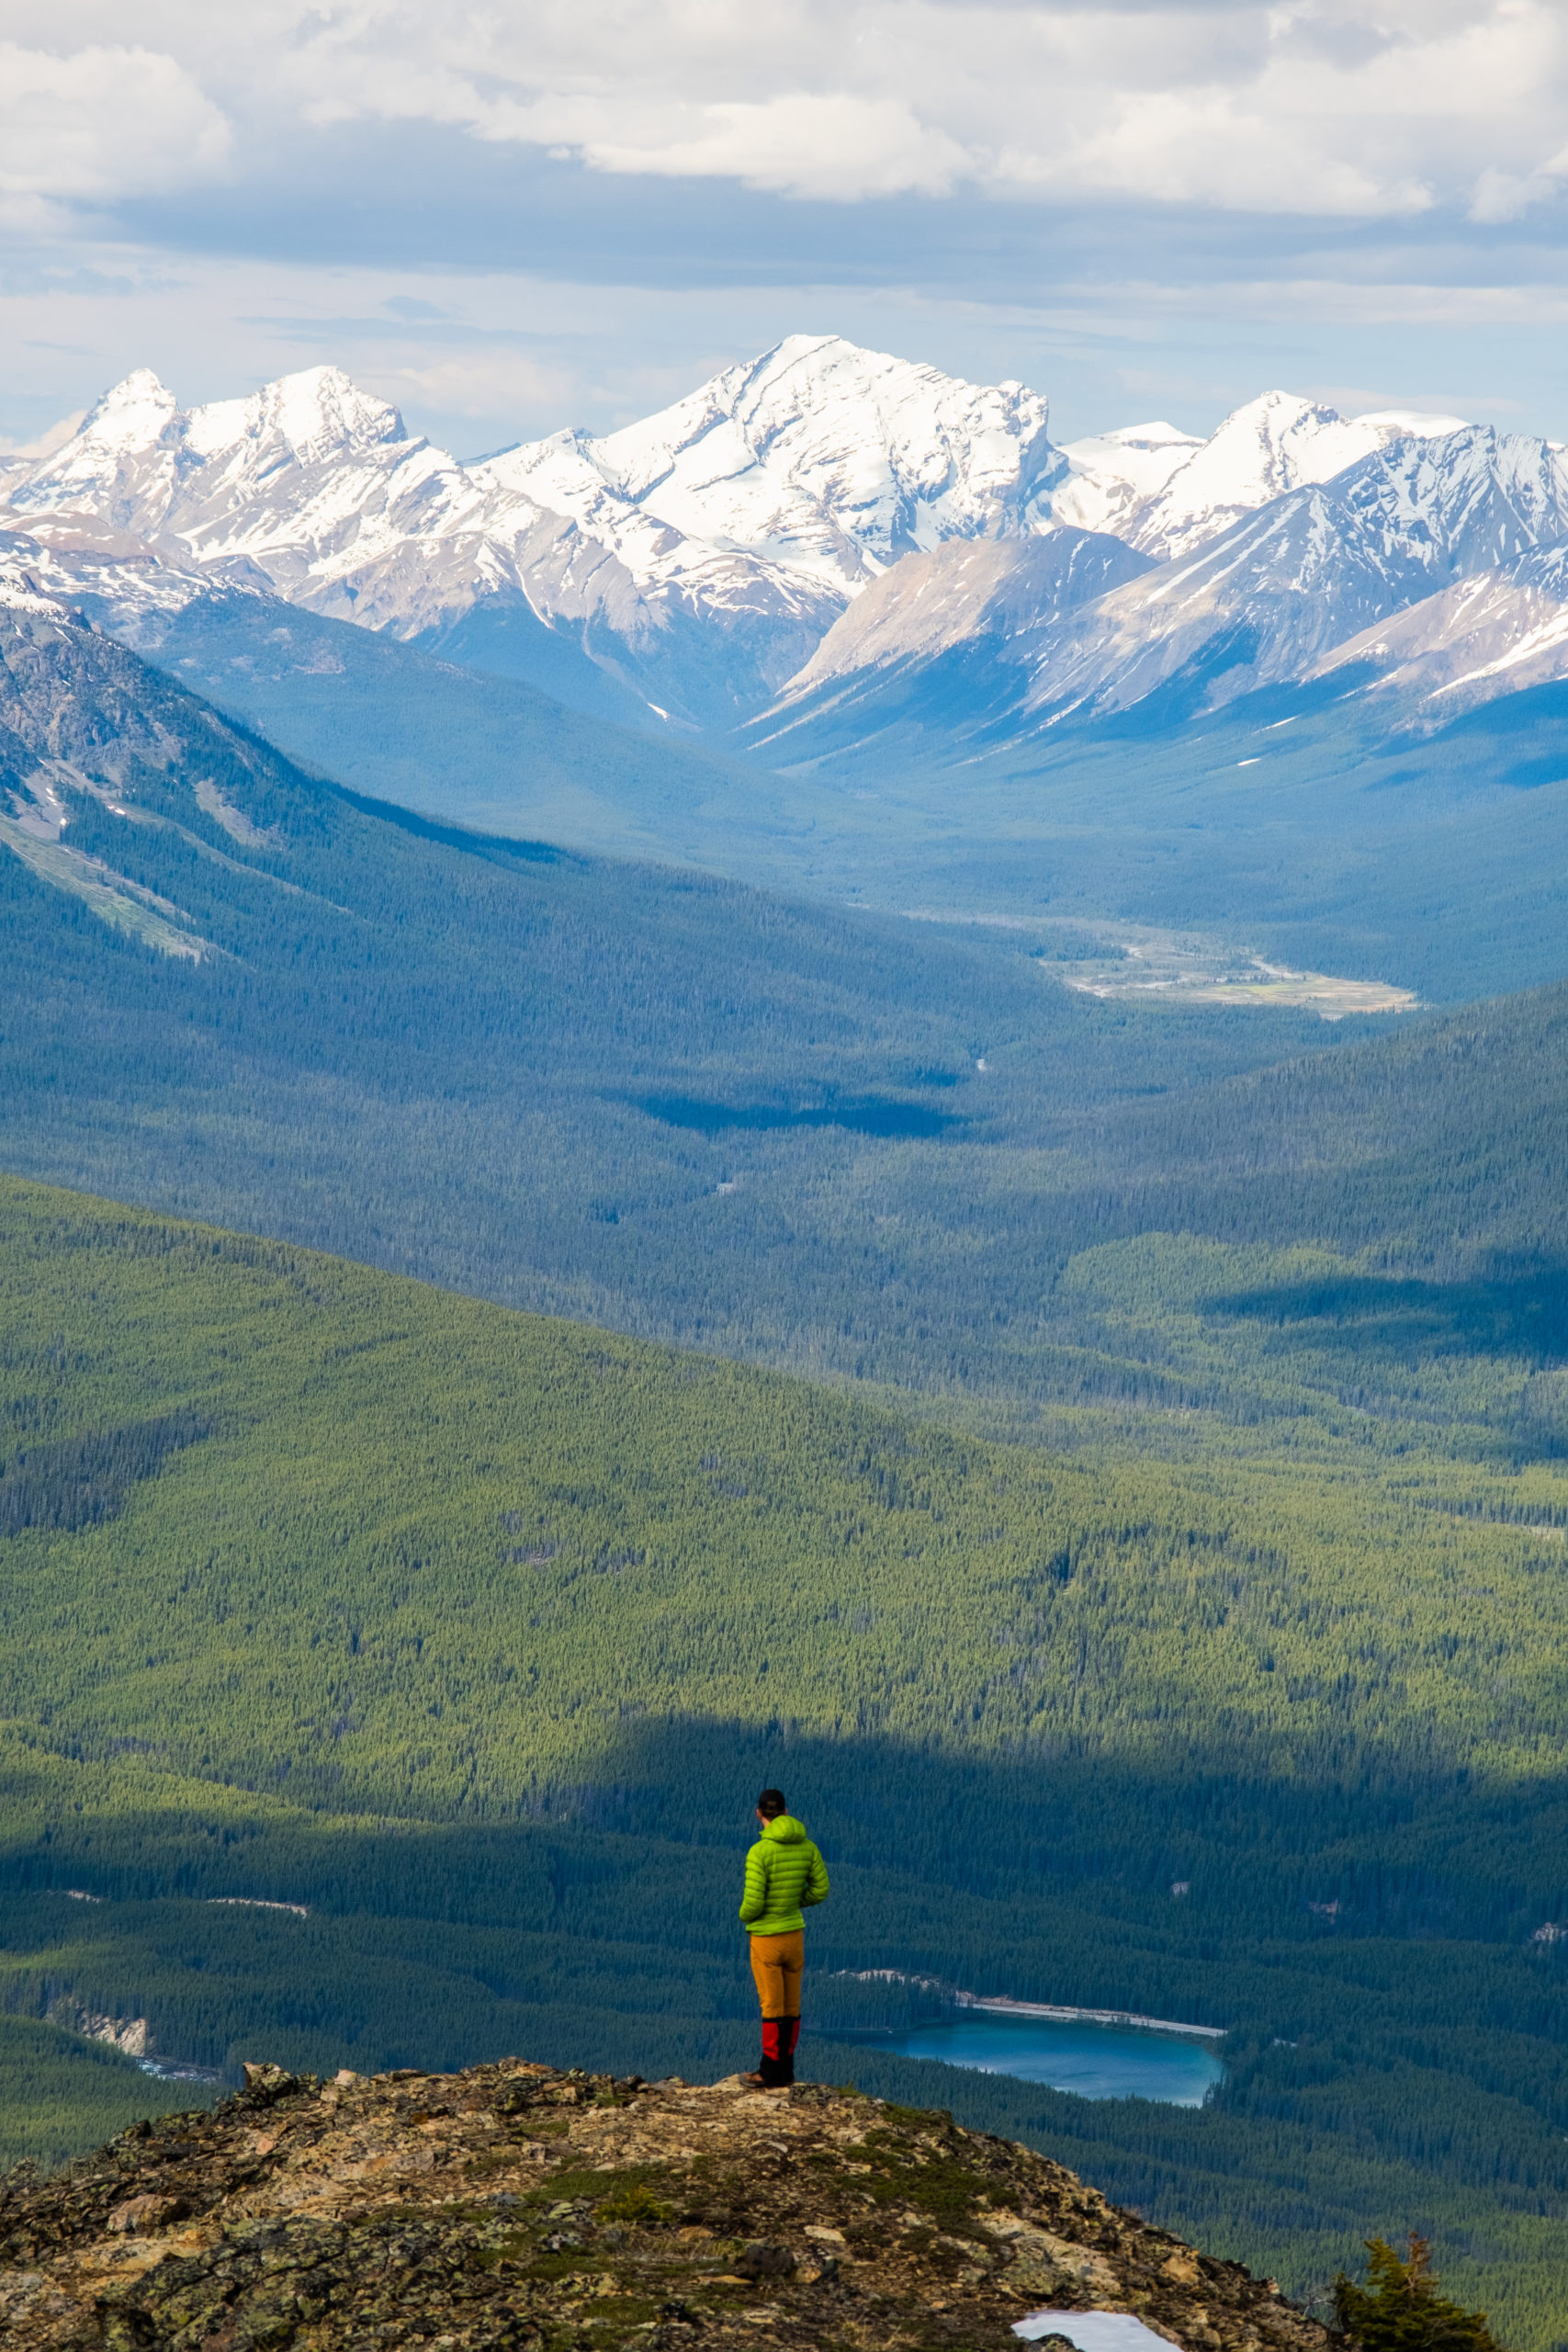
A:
(516, 218)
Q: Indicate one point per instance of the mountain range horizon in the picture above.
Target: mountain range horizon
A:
(710, 564)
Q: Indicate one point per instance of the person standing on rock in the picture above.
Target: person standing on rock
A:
(784, 1876)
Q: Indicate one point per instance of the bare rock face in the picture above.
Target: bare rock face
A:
(514, 2206)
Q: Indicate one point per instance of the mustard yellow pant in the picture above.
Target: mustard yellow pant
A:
(776, 1964)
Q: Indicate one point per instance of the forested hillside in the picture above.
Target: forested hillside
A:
(470, 1633)
(677, 1107)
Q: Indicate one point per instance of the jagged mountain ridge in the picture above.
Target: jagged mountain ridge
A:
(1166, 494)
(828, 459)
(1310, 577)
(1266, 597)
(699, 556)
(1494, 632)
(690, 565)
(315, 491)
(515, 2204)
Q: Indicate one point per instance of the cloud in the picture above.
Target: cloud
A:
(1237, 191)
(102, 122)
(481, 384)
(1504, 196)
(1131, 333)
(804, 142)
(1306, 107)
(1301, 106)
(44, 445)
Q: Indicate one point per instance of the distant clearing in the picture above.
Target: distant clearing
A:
(1262, 984)
(1108, 958)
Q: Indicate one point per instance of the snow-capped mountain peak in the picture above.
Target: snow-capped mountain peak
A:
(137, 452)
(770, 496)
(1114, 476)
(308, 477)
(1410, 423)
(131, 414)
(1166, 492)
(1158, 434)
(127, 442)
(820, 457)
(891, 451)
(1270, 445)
(317, 414)
(1462, 501)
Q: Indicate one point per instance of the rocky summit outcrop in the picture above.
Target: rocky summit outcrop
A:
(518, 2206)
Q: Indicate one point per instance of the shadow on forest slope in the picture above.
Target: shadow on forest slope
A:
(1400, 1841)
(1375, 1819)
(1523, 1315)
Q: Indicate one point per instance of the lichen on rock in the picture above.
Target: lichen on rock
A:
(517, 2207)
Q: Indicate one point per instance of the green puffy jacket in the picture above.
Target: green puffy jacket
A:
(784, 1875)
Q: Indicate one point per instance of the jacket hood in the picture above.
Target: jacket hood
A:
(785, 1830)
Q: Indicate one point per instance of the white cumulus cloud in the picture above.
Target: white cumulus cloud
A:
(1326, 107)
(1290, 105)
(103, 122)
(804, 143)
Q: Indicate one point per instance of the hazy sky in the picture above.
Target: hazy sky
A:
(539, 212)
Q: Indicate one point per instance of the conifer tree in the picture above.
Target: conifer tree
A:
(1400, 2310)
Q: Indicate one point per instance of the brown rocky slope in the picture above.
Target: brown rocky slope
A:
(518, 2206)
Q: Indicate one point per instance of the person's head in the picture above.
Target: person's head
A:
(770, 1804)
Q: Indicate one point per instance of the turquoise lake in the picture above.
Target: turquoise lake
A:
(1095, 2061)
